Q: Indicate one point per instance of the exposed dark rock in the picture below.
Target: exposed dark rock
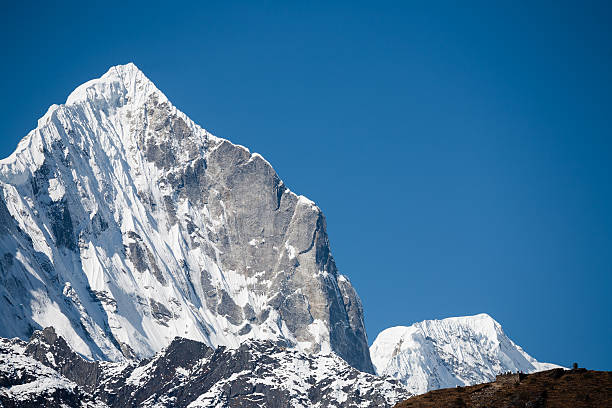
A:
(64, 360)
(229, 309)
(142, 258)
(160, 312)
(99, 224)
(61, 225)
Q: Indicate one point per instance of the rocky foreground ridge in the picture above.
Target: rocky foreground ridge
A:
(556, 388)
(45, 371)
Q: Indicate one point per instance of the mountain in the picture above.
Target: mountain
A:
(451, 352)
(186, 373)
(556, 388)
(123, 224)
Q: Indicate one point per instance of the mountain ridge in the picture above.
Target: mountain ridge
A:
(186, 373)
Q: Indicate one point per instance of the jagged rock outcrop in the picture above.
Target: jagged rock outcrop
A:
(123, 224)
(188, 373)
(25, 382)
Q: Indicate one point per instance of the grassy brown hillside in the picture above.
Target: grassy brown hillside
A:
(556, 388)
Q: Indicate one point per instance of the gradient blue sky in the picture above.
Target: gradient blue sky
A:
(462, 155)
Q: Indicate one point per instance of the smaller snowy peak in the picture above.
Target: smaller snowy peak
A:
(445, 353)
(480, 324)
(393, 340)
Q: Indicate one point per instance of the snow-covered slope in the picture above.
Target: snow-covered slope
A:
(445, 353)
(124, 224)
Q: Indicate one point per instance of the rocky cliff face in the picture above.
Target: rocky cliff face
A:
(452, 352)
(187, 373)
(123, 224)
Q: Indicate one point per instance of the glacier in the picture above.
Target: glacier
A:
(123, 224)
(456, 351)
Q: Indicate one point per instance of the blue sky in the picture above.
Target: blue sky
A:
(462, 156)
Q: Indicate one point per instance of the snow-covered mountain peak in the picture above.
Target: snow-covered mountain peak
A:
(113, 98)
(444, 353)
(124, 224)
(480, 324)
(120, 81)
(393, 340)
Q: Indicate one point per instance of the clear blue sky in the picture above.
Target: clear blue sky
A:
(462, 156)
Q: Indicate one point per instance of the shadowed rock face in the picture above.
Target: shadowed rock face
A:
(133, 226)
(189, 373)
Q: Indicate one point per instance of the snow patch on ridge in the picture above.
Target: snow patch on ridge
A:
(56, 189)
